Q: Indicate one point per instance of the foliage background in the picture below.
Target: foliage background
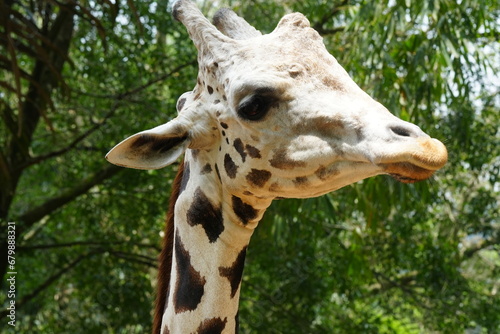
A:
(76, 77)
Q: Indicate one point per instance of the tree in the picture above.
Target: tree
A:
(378, 256)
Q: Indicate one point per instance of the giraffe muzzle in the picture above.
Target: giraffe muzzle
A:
(418, 160)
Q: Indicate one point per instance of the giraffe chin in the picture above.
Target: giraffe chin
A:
(406, 172)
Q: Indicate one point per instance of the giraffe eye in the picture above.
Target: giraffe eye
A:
(255, 107)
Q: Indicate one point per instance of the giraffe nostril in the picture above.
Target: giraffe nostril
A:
(403, 131)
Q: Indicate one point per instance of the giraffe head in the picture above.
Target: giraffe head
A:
(279, 116)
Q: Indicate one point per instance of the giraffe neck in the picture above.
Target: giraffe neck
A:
(212, 229)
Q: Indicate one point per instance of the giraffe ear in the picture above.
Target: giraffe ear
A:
(151, 149)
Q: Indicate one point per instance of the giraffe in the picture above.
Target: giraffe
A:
(271, 116)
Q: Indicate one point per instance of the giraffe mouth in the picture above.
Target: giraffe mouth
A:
(418, 163)
(408, 173)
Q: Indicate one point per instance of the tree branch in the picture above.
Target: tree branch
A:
(333, 31)
(123, 95)
(141, 259)
(76, 141)
(153, 81)
(50, 280)
(86, 243)
(4, 169)
(51, 205)
(118, 97)
(405, 283)
(328, 16)
(469, 252)
(385, 283)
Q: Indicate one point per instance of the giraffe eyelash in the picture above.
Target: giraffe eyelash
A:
(255, 107)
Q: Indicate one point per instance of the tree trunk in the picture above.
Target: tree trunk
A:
(44, 80)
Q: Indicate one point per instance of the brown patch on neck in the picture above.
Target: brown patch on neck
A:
(165, 258)
(234, 273)
(212, 326)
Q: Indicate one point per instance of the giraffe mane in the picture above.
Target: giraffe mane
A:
(165, 258)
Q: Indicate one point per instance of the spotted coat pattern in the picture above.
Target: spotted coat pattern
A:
(272, 116)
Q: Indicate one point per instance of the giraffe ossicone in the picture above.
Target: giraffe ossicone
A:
(271, 116)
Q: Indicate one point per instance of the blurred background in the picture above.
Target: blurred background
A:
(77, 77)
